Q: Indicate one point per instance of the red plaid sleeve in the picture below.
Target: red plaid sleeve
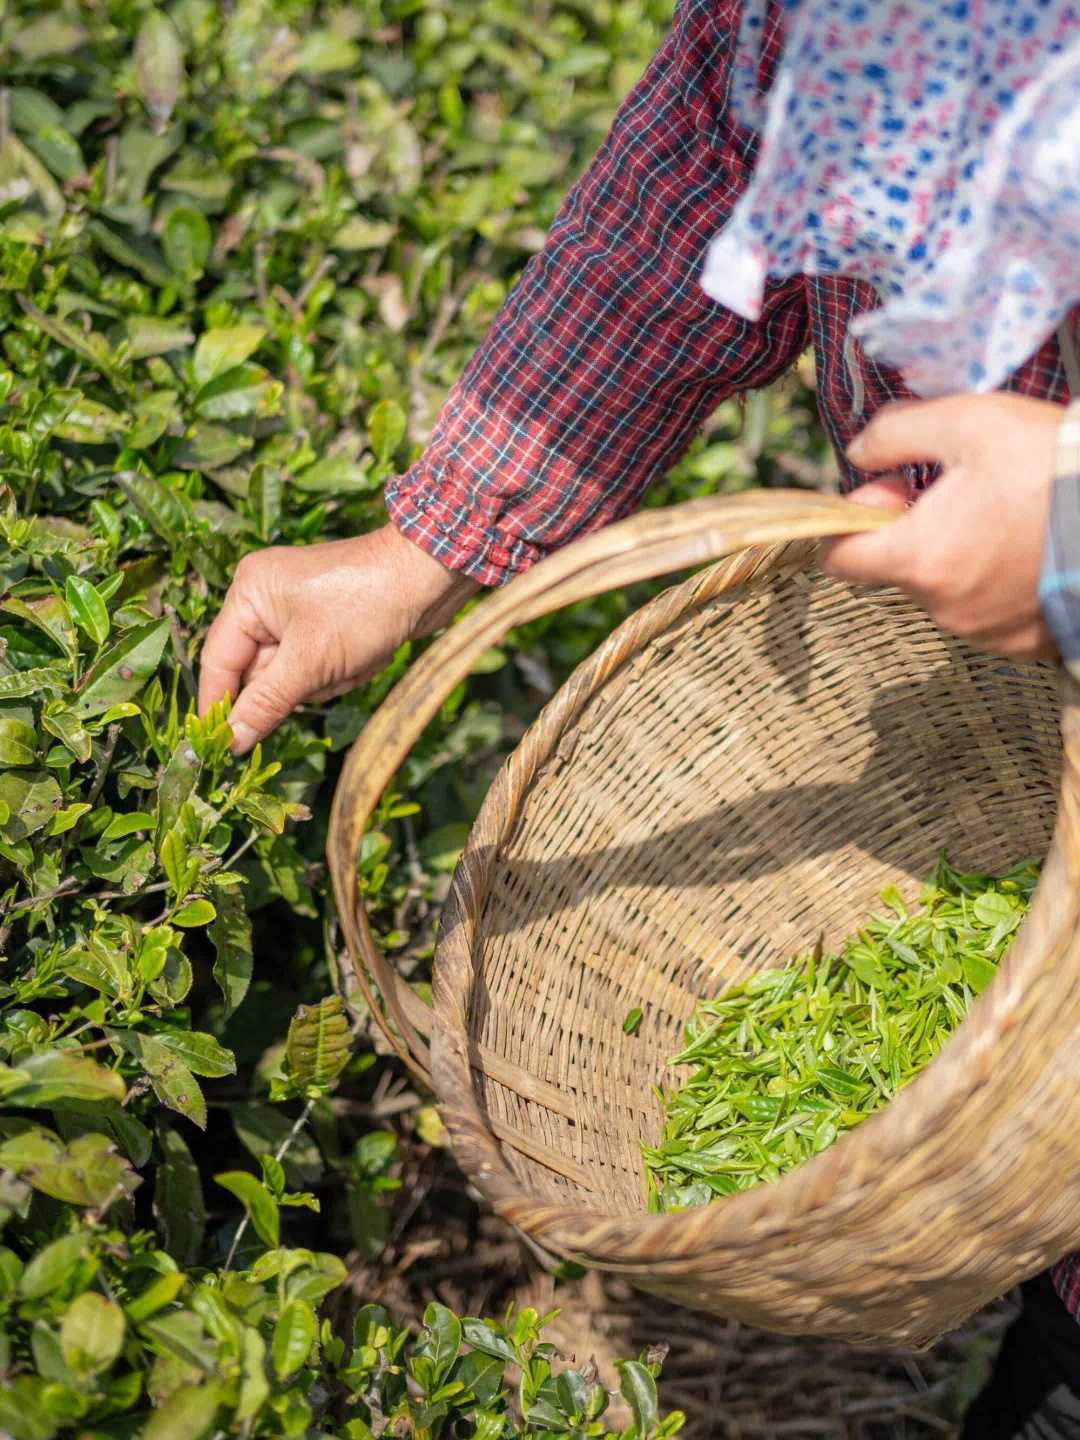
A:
(607, 356)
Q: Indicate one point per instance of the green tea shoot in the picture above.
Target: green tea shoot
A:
(788, 1061)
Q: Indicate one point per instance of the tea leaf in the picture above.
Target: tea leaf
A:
(18, 742)
(186, 240)
(87, 608)
(796, 1057)
(56, 1076)
(146, 335)
(188, 1414)
(91, 1333)
(200, 1053)
(317, 1047)
(260, 1205)
(159, 65)
(194, 913)
(231, 936)
(178, 1198)
(386, 429)
(638, 1389)
(86, 1172)
(122, 671)
(172, 1081)
(294, 1335)
(221, 350)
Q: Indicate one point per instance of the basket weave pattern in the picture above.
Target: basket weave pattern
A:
(741, 767)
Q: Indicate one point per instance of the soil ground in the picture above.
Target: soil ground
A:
(733, 1382)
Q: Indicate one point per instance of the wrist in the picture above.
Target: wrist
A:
(434, 592)
(1059, 583)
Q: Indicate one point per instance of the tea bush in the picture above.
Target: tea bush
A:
(243, 252)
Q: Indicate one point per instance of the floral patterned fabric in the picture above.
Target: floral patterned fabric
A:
(931, 147)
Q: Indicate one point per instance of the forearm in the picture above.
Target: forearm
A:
(607, 356)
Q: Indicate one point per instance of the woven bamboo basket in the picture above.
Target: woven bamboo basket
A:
(744, 764)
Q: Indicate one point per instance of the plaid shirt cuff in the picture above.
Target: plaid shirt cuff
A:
(1059, 586)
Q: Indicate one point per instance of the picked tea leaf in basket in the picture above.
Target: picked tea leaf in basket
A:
(791, 1059)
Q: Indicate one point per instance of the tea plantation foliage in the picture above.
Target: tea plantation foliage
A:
(244, 250)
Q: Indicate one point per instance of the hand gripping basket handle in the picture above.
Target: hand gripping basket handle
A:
(655, 542)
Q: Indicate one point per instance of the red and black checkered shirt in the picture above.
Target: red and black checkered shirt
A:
(608, 356)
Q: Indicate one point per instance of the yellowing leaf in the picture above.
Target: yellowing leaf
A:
(91, 1333)
(317, 1047)
(194, 913)
(18, 742)
(57, 1075)
(222, 349)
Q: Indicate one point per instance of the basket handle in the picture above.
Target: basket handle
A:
(652, 543)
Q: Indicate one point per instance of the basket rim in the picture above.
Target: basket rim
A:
(843, 1178)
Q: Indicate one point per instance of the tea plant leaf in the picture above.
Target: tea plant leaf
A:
(444, 1328)
(122, 671)
(178, 1198)
(488, 1337)
(294, 1335)
(386, 429)
(159, 66)
(231, 936)
(188, 1414)
(161, 508)
(18, 742)
(86, 1172)
(223, 349)
(154, 1297)
(314, 1281)
(177, 784)
(49, 614)
(67, 729)
(195, 913)
(200, 1053)
(91, 347)
(260, 1205)
(57, 1264)
(186, 241)
(55, 1076)
(317, 1047)
(172, 1081)
(254, 1385)
(31, 798)
(87, 608)
(91, 1333)
(245, 390)
(638, 1389)
(146, 336)
(181, 1333)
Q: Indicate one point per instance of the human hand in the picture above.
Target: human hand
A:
(311, 622)
(969, 550)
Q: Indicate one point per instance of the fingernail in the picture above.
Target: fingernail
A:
(244, 738)
(855, 449)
